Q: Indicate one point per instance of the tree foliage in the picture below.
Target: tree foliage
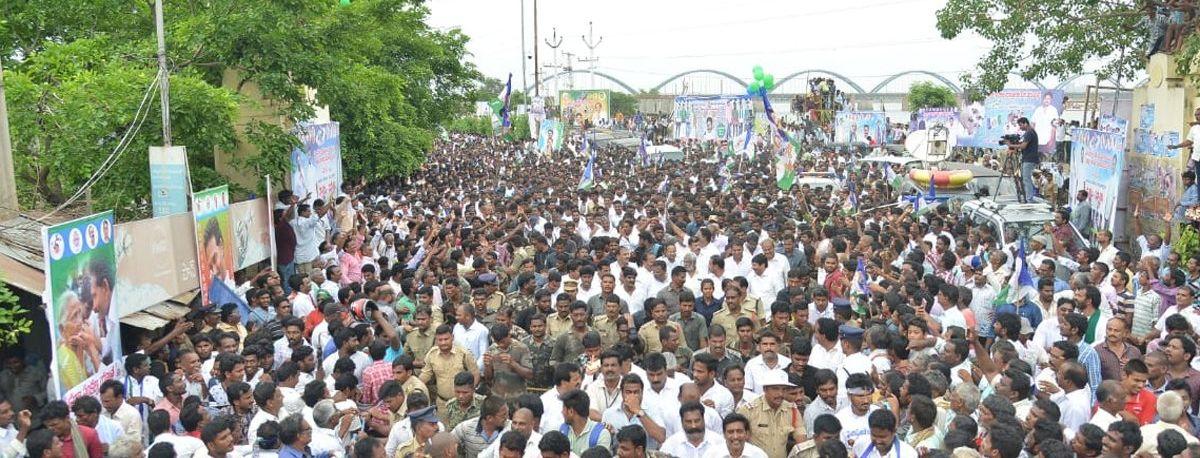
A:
(13, 322)
(1049, 38)
(623, 103)
(77, 70)
(924, 94)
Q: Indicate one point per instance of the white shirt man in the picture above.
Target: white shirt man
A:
(757, 369)
(822, 358)
(127, 415)
(183, 445)
(855, 427)
(474, 338)
(678, 445)
(1076, 407)
(867, 449)
(765, 287)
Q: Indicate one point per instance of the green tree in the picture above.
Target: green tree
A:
(13, 322)
(621, 102)
(924, 94)
(77, 71)
(1049, 38)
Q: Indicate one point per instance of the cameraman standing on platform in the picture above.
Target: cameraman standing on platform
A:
(1030, 157)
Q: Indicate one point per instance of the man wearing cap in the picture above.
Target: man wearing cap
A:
(855, 361)
(425, 426)
(772, 418)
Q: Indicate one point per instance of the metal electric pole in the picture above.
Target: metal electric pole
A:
(164, 81)
(8, 180)
(591, 60)
(537, 83)
(524, 73)
(554, 42)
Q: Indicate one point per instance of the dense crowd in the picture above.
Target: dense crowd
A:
(490, 306)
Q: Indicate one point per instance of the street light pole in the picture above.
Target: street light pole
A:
(164, 82)
(537, 83)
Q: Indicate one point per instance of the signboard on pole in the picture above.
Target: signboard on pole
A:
(1097, 162)
(168, 180)
(317, 162)
(80, 275)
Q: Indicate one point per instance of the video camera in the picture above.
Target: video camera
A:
(1009, 139)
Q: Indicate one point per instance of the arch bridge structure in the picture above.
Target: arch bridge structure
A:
(849, 85)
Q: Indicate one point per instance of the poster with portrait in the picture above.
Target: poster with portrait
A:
(550, 136)
(575, 107)
(317, 162)
(712, 118)
(869, 128)
(146, 242)
(80, 276)
(214, 240)
(997, 116)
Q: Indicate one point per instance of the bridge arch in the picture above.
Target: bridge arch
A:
(699, 70)
(1072, 79)
(848, 81)
(942, 79)
(606, 76)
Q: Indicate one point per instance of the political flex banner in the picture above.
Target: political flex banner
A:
(317, 162)
(80, 274)
(168, 180)
(860, 128)
(578, 106)
(251, 231)
(713, 117)
(926, 118)
(1097, 162)
(997, 116)
(148, 242)
(214, 241)
(550, 136)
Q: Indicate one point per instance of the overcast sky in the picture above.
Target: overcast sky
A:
(646, 41)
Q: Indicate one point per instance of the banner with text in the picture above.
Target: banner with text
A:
(860, 128)
(984, 124)
(1155, 171)
(80, 274)
(713, 117)
(317, 162)
(577, 106)
(1097, 162)
(168, 180)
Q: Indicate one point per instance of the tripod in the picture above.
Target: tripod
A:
(1010, 168)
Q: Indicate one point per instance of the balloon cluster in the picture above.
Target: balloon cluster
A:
(762, 80)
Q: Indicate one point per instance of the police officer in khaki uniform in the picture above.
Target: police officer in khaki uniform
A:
(772, 418)
(425, 425)
(443, 362)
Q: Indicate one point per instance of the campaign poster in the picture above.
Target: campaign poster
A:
(1146, 119)
(583, 105)
(1113, 124)
(550, 136)
(926, 118)
(537, 114)
(1155, 172)
(214, 240)
(317, 162)
(712, 118)
(168, 180)
(997, 116)
(1097, 163)
(868, 128)
(80, 278)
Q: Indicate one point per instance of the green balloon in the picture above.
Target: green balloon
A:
(769, 81)
(758, 72)
(754, 87)
(344, 2)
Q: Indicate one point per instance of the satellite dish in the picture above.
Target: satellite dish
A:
(930, 145)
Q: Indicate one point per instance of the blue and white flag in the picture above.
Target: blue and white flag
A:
(642, 151)
(863, 279)
(1020, 284)
(853, 201)
(588, 178)
(504, 120)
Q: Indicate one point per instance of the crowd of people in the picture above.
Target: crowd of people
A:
(489, 306)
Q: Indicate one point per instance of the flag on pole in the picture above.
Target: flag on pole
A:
(863, 280)
(588, 178)
(932, 196)
(853, 201)
(1020, 284)
(504, 120)
(785, 170)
